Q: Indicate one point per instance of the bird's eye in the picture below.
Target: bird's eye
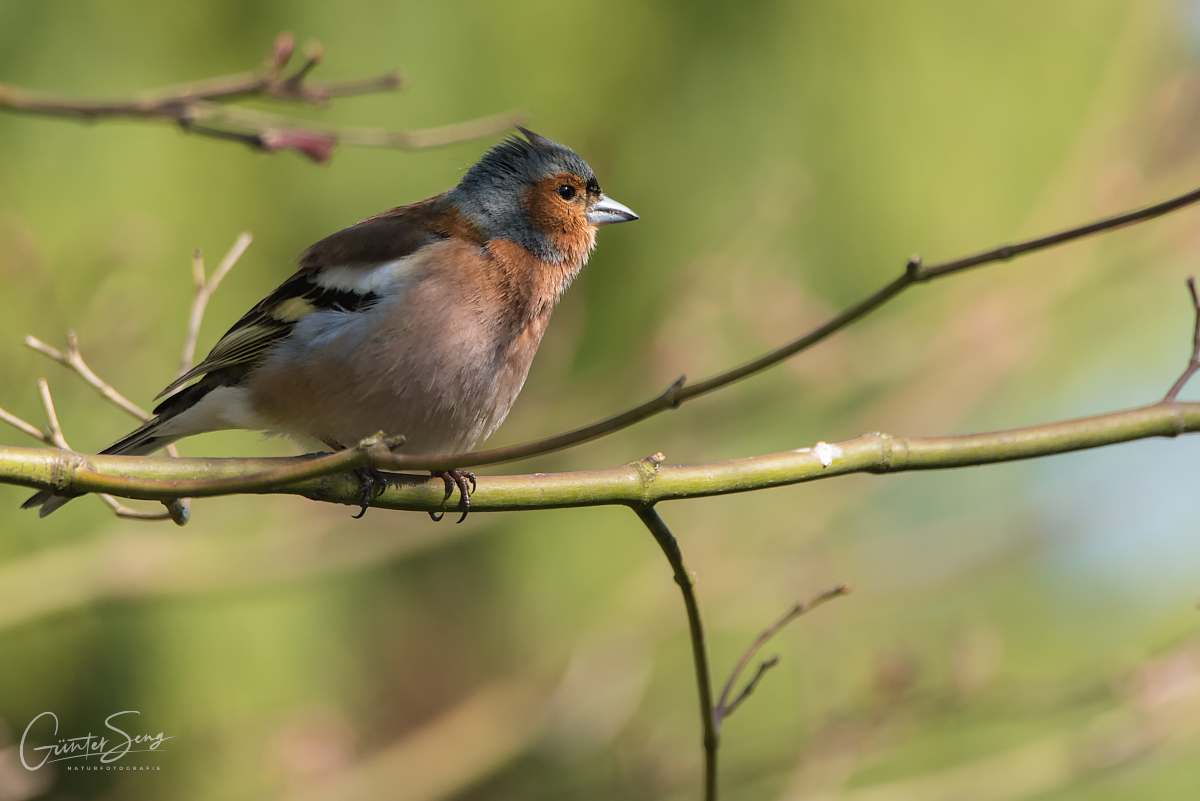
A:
(566, 192)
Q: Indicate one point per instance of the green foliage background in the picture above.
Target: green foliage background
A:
(1021, 631)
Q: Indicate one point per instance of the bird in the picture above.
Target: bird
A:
(420, 322)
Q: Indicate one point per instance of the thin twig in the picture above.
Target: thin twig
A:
(203, 108)
(1194, 362)
(724, 710)
(129, 513)
(72, 359)
(670, 547)
(40, 434)
(22, 426)
(205, 287)
(725, 706)
(915, 273)
(54, 434)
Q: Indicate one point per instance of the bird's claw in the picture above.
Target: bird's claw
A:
(459, 479)
(373, 484)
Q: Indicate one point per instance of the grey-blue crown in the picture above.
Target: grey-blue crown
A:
(527, 160)
(491, 192)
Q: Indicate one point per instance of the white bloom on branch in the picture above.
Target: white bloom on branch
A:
(824, 452)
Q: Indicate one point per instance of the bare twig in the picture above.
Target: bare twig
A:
(22, 426)
(205, 287)
(54, 434)
(725, 707)
(129, 513)
(50, 436)
(202, 108)
(670, 547)
(72, 358)
(1194, 362)
(724, 710)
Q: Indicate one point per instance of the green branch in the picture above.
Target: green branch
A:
(641, 483)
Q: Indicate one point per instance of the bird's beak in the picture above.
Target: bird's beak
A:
(608, 211)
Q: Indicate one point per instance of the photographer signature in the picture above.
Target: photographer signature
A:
(90, 745)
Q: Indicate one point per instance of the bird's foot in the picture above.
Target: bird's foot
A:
(460, 479)
(373, 484)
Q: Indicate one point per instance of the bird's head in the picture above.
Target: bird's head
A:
(539, 194)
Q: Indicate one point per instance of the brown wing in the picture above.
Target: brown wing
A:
(383, 238)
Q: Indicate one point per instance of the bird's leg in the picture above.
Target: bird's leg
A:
(437, 516)
(373, 484)
(460, 479)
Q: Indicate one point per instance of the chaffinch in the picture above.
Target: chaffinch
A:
(421, 321)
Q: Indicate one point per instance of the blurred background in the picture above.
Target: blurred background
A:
(1025, 631)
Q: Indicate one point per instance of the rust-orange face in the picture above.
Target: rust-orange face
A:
(558, 204)
(568, 208)
(540, 195)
